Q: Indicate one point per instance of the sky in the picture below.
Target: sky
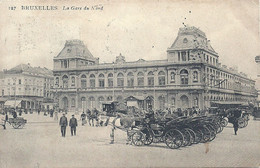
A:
(137, 29)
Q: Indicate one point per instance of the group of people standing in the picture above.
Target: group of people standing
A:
(64, 123)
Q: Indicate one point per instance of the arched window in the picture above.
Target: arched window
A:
(65, 81)
(101, 80)
(100, 101)
(140, 79)
(120, 80)
(119, 98)
(161, 102)
(173, 102)
(130, 79)
(56, 82)
(92, 80)
(72, 102)
(172, 77)
(196, 102)
(109, 98)
(83, 81)
(72, 81)
(185, 40)
(184, 77)
(92, 102)
(195, 76)
(110, 80)
(161, 78)
(150, 79)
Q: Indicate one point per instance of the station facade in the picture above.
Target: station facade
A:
(190, 76)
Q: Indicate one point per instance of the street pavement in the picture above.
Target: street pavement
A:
(39, 144)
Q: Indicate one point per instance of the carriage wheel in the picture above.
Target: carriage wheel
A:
(206, 134)
(137, 138)
(148, 136)
(173, 139)
(186, 136)
(199, 136)
(192, 137)
(157, 139)
(241, 123)
(224, 122)
(15, 125)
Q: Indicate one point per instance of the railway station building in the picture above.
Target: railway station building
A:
(189, 76)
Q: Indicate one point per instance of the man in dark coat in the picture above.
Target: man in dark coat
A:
(73, 124)
(63, 125)
(235, 125)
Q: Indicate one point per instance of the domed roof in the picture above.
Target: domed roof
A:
(75, 49)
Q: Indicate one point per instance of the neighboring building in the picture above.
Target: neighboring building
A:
(257, 60)
(26, 87)
(191, 76)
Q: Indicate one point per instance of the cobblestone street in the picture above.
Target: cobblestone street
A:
(39, 144)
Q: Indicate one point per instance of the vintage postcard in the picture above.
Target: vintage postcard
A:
(111, 83)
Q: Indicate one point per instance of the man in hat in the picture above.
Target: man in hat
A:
(73, 124)
(63, 124)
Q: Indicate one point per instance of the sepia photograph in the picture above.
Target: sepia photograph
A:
(118, 83)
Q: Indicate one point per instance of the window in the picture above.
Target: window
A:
(172, 76)
(196, 102)
(72, 81)
(120, 80)
(185, 40)
(130, 79)
(65, 81)
(173, 102)
(183, 56)
(150, 79)
(140, 79)
(184, 77)
(101, 80)
(110, 80)
(20, 81)
(195, 76)
(92, 80)
(109, 98)
(83, 81)
(100, 100)
(161, 78)
(68, 50)
(72, 102)
(161, 102)
(92, 102)
(65, 64)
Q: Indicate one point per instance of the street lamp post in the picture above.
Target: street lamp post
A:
(14, 93)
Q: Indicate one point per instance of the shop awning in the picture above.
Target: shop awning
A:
(13, 103)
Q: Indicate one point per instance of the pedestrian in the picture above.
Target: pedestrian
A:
(73, 124)
(63, 124)
(39, 111)
(235, 125)
(20, 112)
(56, 115)
(83, 118)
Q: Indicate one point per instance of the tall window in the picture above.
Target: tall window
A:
(140, 79)
(72, 81)
(184, 77)
(56, 81)
(65, 80)
(20, 81)
(183, 56)
(173, 77)
(130, 79)
(161, 78)
(101, 80)
(173, 102)
(196, 102)
(92, 102)
(92, 80)
(150, 79)
(72, 102)
(161, 102)
(120, 80)
(110, 80)
(195, 76)
(100, 101)
(83, 81)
